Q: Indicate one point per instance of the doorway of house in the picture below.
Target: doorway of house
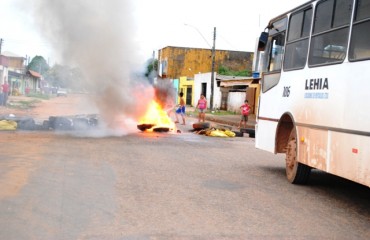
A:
(204, 89)
(189, 95)
(224, 97)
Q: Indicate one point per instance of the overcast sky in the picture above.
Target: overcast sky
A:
(155, 24)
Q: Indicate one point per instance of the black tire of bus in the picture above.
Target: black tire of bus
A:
(296, 172)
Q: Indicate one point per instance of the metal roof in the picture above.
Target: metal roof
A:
(229, 81)
(245, 82)
(34, 74)
(232, 78)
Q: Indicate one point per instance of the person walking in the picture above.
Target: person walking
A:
(1, 96)
(245, 109)
(202, 106)
(181, 109)
(5, 90)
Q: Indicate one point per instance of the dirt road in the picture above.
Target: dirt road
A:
(40, 109)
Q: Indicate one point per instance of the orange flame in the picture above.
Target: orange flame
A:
(157, 116)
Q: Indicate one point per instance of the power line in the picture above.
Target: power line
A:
(231, 45)
(209, 45)
(24, 42)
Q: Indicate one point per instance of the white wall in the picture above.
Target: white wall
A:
(235, 100)
(206, 78)
(3, 74)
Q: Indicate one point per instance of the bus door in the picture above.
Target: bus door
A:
(274, 51)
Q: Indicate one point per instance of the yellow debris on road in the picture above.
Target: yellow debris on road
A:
(213, 132)
(8, 125)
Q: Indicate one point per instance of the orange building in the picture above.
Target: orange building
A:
(176, 62)
(181, 64)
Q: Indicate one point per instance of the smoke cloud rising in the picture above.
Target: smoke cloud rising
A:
(97, 37)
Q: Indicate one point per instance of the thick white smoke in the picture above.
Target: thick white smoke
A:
(97, 37)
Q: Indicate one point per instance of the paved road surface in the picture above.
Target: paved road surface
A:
(166, 186)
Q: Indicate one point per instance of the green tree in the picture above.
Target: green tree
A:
(38, 64)
(152, 65)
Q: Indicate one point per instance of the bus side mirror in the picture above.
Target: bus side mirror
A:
(262, 41)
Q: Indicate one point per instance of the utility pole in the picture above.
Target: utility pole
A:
(213, 68)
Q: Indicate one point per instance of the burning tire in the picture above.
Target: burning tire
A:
(26, 124)
(223, 127)
(144, 127)
(238, 134)
(161, 129)
(201, 125)
(60, 123)
(80, 123)
(250, 131)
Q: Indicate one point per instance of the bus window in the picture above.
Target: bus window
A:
(275, 46)
(330, 32)
(343, 12)
(277, 51)
(360, 39)
(295, 26)
(362, 10)
(324, 15)
(298, 36)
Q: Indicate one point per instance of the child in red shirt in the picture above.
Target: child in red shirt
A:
(245, 109)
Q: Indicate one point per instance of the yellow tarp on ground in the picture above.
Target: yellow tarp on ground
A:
(217, 133)
(8, 125)
(220, 133)
(230, 133)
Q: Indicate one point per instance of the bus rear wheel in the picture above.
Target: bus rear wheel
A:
(296, 172)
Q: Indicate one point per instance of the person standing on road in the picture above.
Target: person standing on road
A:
(5, 88)
(181, 109)
(245, 109)
(202, 106)
(1, 96)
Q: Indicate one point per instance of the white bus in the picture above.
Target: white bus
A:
(314, 103)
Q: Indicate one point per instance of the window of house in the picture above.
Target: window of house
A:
(360, 38)
(330, 32)
(298, 36)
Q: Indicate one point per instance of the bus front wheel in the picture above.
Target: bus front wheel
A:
(296, 172)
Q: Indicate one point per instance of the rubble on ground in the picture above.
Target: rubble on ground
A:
(214, 132)
(8, 125)
(57, 123)
(204, 128)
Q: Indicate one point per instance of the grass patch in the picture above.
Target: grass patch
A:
(38, 95)
(195, 112)
(23, 104)
(222, 113)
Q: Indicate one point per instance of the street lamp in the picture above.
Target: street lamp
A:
(213, 59)
(213, 67)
